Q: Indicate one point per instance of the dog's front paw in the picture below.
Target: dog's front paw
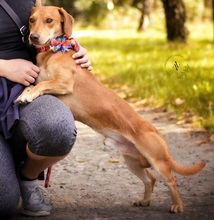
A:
(23, 100)
(25, 97)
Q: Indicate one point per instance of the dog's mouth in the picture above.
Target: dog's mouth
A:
(35, 40)
(37, 44)
(46, 43)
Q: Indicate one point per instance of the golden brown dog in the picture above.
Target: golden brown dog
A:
(140, 142)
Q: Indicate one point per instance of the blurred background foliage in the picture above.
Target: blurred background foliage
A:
(94, 12)
(136, 45)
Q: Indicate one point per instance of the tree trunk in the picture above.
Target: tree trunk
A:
(145, 16)
(67, 5)
(175, 14)
(145, 6)
(213, 17)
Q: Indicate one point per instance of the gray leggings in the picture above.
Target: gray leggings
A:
(47, 125)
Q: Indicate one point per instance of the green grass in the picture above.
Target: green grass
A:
(143, 64)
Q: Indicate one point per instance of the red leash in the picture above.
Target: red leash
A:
(47, 179)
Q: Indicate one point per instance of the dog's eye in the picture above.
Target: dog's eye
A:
(49, 20)
(31, 20)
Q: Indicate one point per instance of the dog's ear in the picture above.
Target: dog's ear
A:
(33, 10)
(67, 21)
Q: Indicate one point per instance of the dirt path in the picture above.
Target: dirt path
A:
(93, 182)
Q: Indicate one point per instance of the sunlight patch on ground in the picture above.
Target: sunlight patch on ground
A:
(106, 33)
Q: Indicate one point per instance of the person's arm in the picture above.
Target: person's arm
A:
(19, 71)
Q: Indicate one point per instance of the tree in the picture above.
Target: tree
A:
(93, 11)
(145, 6)
(67, 5)
(175, 14)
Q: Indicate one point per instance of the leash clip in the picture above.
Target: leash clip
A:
(23, 30)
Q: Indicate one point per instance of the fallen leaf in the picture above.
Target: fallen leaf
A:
(113, 160)
(180, 122)
(212, 137)
(200, 142)
(82, 160)
(179, 101)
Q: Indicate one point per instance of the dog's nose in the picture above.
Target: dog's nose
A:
(34, 37)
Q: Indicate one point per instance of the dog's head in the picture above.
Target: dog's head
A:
(47, 23)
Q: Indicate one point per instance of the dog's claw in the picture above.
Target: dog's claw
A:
(143, 203)
(25, 97)
(23, 100)
(19, 102)
(176, 209)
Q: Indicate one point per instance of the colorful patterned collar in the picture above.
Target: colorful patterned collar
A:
(61, 43)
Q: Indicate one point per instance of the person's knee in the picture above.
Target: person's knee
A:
(54, 139)
(50, 131)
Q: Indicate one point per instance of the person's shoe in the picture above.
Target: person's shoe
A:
(33, 202)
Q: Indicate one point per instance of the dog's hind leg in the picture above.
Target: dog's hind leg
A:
(155, 149)
(165, 171)
(137, 165)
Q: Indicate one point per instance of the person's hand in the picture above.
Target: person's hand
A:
(81, 58)
(19, 71)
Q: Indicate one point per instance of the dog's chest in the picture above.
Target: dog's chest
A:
(46, 70)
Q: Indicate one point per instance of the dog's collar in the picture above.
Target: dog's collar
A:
(61, 43)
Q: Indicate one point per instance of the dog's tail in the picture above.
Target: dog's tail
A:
(187, 171)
